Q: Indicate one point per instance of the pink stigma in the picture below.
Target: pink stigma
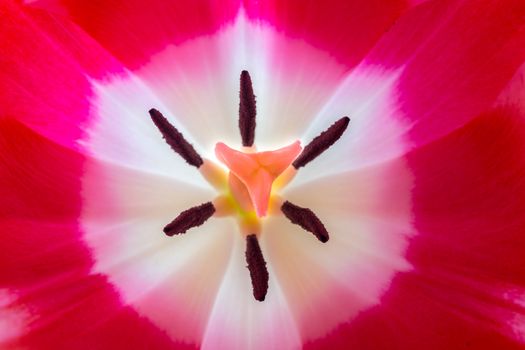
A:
(257, 171)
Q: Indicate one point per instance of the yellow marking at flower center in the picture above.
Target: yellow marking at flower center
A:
(228, 205)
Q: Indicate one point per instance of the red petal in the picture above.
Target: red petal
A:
(346, 29)
(469, 199)
(42, 81)
(44, 262)
(456, 57)
(135, 30)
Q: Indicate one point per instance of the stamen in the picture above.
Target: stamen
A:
(189, 218)
(257, 267)
(175, 139)
(305, 218)
(247, 110)
(322, 142)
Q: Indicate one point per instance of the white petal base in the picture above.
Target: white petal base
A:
(196, 286)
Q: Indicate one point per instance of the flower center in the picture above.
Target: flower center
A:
(249, 191)
(256, 172)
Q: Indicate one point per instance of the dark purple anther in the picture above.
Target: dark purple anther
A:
(321, 143)
(247, 110)
(175, 139)
(305, 218)
(257, 267)
(192, 217)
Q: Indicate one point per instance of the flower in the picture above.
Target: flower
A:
(423, 195)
